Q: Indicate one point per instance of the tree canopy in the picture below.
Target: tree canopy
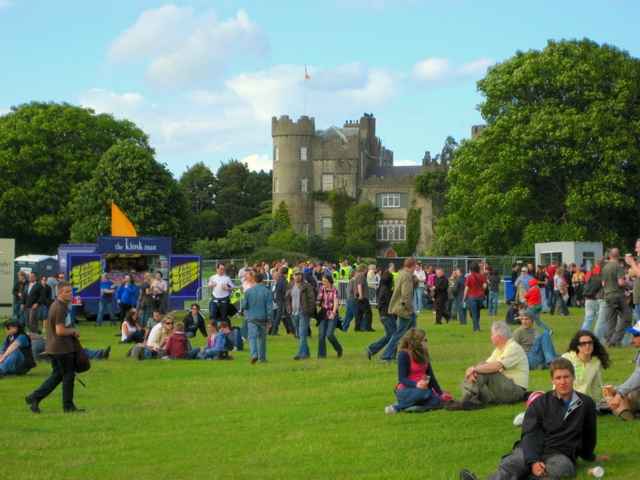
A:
(47, 149)
(559, 159)
(144, 190)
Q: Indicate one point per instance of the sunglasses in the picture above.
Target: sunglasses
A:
(168, 323)
(585, 344)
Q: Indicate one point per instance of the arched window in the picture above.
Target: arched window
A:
(303, 154)
(276, 185)
(304, 228)
(276, 154)
(304, 185)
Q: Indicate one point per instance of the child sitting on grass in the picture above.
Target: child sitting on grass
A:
(178, 346)
(513, 314)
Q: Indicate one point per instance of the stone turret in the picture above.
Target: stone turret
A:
(293, 179)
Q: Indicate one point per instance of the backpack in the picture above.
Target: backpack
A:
(82, 360)
(592, 286)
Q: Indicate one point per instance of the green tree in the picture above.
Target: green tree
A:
(281, 215)
(560, 156)
(199, 185)
(47, 150)
(144, 190)
(240, 192)
(361, 230)
(289, 240)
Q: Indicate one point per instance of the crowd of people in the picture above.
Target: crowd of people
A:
(298, 295)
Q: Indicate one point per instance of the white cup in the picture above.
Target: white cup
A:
(597, 472)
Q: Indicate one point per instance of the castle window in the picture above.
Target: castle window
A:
(276, 185)
(327, 181)
(303, 154)
(303, 185)
(391, 231)
(304, 228)
(276, 154)
(391, 200)
(326, 222)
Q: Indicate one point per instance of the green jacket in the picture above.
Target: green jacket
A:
(402, 299)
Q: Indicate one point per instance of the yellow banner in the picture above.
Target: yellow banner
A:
(84, 275)
(182, 275)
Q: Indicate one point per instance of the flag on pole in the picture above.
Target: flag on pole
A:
(120, 225)
(306, 75)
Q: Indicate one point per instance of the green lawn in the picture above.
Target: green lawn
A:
(313, 419)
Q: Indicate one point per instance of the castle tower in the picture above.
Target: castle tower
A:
(293, 169)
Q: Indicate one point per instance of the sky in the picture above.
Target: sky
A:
(204, 78)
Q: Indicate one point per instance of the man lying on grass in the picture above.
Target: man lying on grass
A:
(558, 427)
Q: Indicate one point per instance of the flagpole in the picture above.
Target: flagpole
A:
(305, 90)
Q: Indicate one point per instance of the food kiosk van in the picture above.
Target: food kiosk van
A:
(84, 264)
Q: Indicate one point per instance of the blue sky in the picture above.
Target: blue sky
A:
(203, 78)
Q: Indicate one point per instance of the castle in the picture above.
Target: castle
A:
(352, 159)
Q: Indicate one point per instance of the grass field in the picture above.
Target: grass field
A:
(313, 419)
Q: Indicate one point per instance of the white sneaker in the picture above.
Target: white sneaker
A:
(390, 409)
(519, 419)
(235, 349)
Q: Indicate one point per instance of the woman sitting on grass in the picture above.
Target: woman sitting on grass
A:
(589, 357)
(131, 331)
(417, 383)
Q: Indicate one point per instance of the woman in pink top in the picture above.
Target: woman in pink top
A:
(417, 383)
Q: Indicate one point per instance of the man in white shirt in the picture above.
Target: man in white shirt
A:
(222, 287)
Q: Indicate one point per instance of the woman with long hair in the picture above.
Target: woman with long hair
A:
(417, 384)
(131, 331)
(589, 357)
(329, 297)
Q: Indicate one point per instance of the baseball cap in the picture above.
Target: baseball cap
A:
(296, 270)
(635, 330)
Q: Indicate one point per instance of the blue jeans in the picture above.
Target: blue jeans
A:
(544, 301)
(351, 313)
(109, 304)
(325, 332)
(208, 353)
(301, 326)
(13, 363)
(418, 295)
(474, 304)
(277, 317)
(389, 324)
(19, 314)
(540, 323)
(402, 325)
(591, 308)
(462, 312)
(62, 367)
(409, 397)
(601, 324)
(135, 337)
(258, 338)
(557, 296)
(493, 303)
(219, 305)
(43, 312)
(542, 351)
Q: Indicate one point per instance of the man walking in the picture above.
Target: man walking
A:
(60, 347)
(558, 427)
(300, 302)
(257, 305)
(401, 306)
(614, 283)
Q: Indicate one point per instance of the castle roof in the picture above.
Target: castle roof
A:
(396, 172)
(342, 133)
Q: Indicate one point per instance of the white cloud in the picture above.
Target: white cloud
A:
(406, 163)
(258, 162)
(440, 71)
(184, 49)
(6, 4)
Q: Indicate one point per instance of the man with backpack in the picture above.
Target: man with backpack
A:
(594, 305)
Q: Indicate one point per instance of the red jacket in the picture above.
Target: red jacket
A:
(177, 346)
